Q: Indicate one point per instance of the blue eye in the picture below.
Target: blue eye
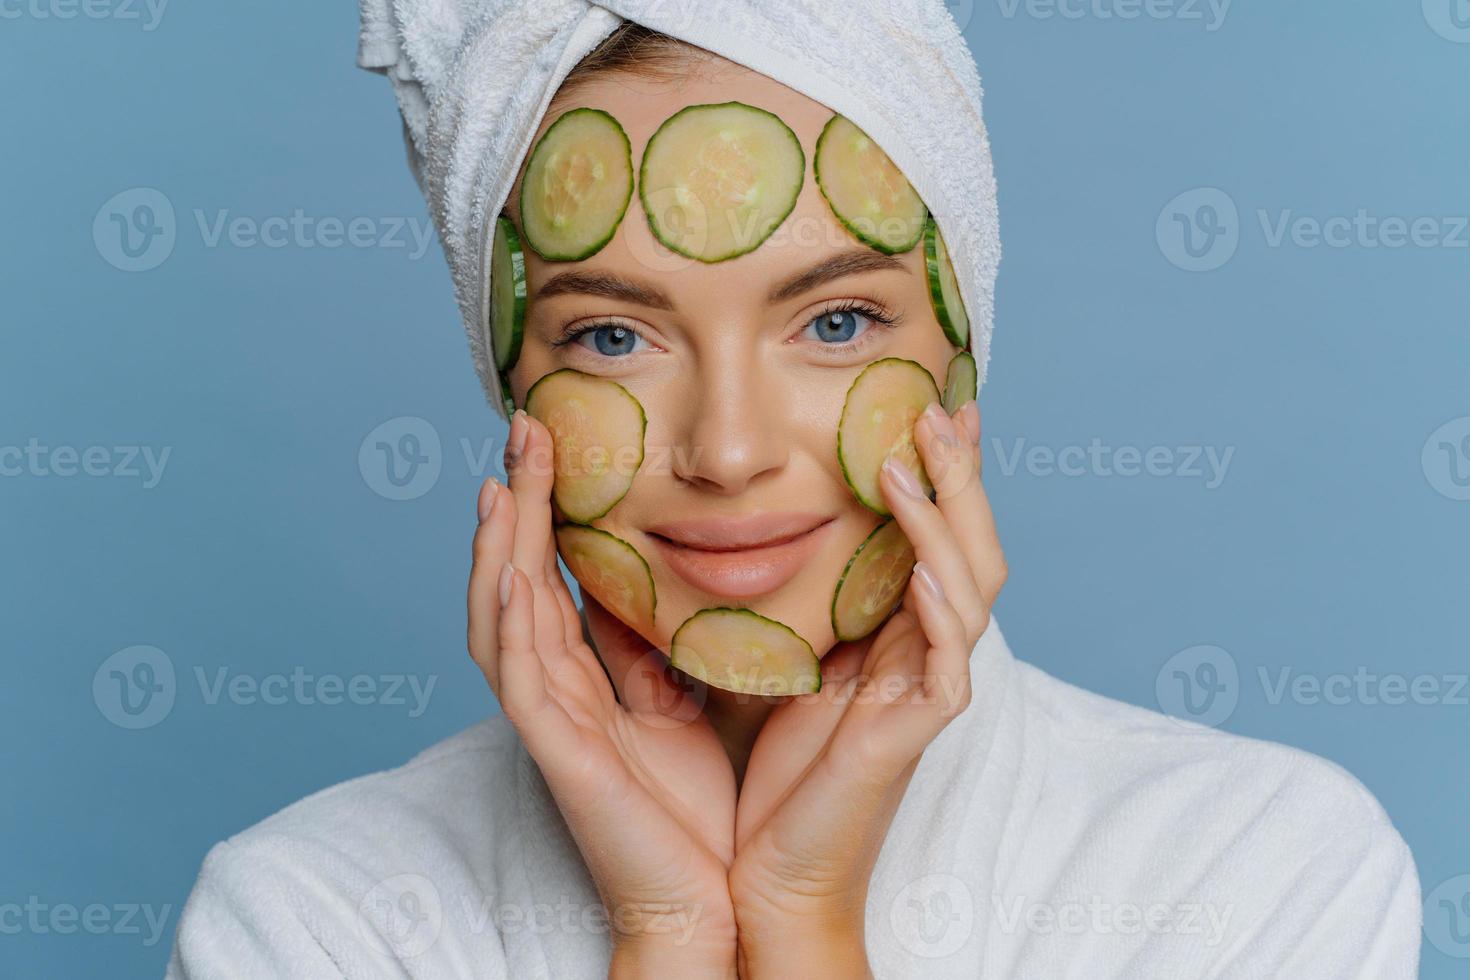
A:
(845, 324)
(609, 339)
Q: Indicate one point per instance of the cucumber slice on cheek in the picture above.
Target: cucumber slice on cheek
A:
(944, 287)
(960, 381)
(577, 186)
(878, 421)
(868, 194)
(611, 570)
(718, 180)
(743, 651)
(872, 583)
(597, 430)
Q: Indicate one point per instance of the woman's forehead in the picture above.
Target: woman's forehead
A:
(808, 235)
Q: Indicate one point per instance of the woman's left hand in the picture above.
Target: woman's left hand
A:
(828, 770)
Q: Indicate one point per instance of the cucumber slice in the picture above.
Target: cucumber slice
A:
(597, 427)
(961, 381)
(577, 186)
(868, 194)
(872, 583)
(743, 651)
(506, 398)
(611, 570)
(507, 294)
(718, 180)
(878, 422)
(944, 288)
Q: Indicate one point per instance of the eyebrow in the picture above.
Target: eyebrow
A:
(611, 286)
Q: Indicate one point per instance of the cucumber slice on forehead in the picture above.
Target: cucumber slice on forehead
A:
(611, 570)
(743, 651)
(718, 180)
(872, 583)
(944, 288)
(507, 294)
(597, 430)
(868, 194)
(878, 421)
(577, 186)
(960, 381)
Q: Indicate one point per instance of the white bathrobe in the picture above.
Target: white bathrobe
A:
(1048, 833)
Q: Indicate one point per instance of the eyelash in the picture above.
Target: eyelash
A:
(872, 311)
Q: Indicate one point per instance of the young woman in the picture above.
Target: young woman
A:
(936, 808)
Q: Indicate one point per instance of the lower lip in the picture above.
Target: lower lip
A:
(745, 573)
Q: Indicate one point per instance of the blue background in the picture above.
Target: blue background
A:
(264, 548)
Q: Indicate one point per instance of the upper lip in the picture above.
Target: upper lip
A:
(738, 533)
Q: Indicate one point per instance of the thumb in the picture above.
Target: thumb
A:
(640, 672)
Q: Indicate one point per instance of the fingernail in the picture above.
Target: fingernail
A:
(904, 477)
(970, 411)
(506, 575)
(516, 444)
(489, 493)
(928, 579)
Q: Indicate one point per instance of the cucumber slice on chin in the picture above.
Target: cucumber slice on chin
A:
(742, 651)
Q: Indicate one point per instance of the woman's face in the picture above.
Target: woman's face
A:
(742, 367)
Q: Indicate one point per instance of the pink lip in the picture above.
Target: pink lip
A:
(740, 558)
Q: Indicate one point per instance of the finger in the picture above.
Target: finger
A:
(490, 550)
(528, 463)
(935, 541)
(639, 671)
(524, 695)
(946, 677)
(950, 453)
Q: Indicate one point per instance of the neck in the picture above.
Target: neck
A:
(737, 720)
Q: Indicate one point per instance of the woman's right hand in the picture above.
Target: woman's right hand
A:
(637, 771)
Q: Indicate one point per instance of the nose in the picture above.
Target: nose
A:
(734, 430)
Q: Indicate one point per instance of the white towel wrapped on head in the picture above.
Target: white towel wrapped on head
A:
(474, 79)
